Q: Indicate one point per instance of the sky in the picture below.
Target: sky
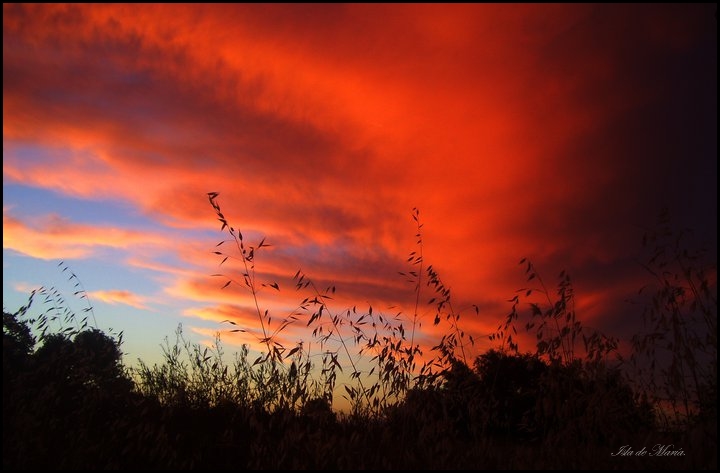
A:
(552, 132)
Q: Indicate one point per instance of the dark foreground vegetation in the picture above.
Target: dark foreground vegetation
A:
(70, 403)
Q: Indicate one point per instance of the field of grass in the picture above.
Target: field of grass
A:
(69, 402)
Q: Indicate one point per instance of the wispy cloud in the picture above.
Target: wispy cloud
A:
(55, 237)
(120, 297)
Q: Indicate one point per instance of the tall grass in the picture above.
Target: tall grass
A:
(675, 357)
(562, 341)
(350, 340)
(566, 402)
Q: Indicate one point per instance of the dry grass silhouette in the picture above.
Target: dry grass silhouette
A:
(68, 402)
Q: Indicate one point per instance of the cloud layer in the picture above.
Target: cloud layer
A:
(554, 132)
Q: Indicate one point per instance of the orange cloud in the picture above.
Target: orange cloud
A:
(120, 297)
(24, 287)
(54, 237)
(240, 325)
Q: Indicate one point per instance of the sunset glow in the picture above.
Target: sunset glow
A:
(552, 132)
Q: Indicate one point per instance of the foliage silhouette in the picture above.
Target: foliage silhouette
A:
(676, 356)
(69, 402)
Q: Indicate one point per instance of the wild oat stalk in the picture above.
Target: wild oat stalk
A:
(449, 343)
(322, 312)
(58, 312)
(79, 290)
(274, 383)
(247, 259)
(415, 258)
(554, 323)
(678, 350)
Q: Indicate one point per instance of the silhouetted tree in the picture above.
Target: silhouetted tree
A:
(62, 403)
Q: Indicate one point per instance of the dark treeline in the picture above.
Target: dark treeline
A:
(71, 404)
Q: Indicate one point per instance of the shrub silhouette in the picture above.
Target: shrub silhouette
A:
(18, 342)
(508, 390)
(581, 404)
(525, 397)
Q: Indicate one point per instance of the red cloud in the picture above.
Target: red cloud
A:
(518, 130)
